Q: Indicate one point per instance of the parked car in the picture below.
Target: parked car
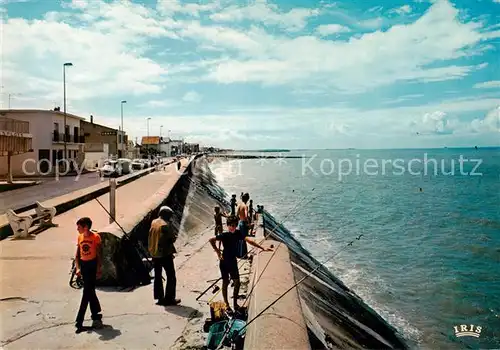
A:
(109, 169)
(124, 165)
(138, 164)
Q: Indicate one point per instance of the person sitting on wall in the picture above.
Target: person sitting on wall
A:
(161, 247)
(228, 264)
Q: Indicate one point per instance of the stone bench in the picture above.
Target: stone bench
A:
(21, 224)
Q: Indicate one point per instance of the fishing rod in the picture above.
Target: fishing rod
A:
(275, 227)
(139, 248)
(262, 272)
(289, 289)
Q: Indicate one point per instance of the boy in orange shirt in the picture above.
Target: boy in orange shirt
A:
(88, 264)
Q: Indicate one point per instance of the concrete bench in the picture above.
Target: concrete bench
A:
(22, 223)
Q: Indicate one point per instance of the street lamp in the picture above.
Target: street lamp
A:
(67, 64)
(10, 96)
(148, 124)
(161, 127)
(148, 119)
(122, 133)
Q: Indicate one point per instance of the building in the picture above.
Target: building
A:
(191, 148)
(133, 150)
(176, 147)
(50, 139)
(97, 134)
(150, 144)
(15, 139)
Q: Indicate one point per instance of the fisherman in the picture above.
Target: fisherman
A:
(228, 264)
(243, 214)
(233, 204)
(161, 247)
(88, 266)
(218, 220)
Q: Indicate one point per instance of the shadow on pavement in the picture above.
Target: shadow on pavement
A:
(184, 311)
(106, 289)
(107, 332)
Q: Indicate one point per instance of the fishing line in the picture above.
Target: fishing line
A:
(287, 291)
(293, 210)
(302, 279)
(265, 267)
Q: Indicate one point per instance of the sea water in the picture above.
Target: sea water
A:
(429, 257)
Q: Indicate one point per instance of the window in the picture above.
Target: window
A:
(56, 127)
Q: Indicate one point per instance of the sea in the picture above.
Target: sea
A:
(428, 221)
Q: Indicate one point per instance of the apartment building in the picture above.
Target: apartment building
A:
(96, 134)
(50, 139)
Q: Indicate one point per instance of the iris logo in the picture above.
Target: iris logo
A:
(464, 330)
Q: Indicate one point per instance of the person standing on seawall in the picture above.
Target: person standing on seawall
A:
(228, 264)
(161, 247)
(88, 265)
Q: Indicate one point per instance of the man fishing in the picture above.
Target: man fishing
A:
(161, 247)
(228, 264)
(88, 265)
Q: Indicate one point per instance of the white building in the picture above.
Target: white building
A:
(49, 139)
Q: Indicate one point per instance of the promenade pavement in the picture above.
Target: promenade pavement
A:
(38, 307)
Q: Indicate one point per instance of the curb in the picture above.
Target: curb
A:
(11, 187)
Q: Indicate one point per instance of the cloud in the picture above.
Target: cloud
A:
(329, 29)
(159, 103)
(435, 123)
(268, 14)
(192, 97)
(493, 84)
(171, 7)
(114, 31)
(336, 125)
(490, 123)
(403, 10)
(402, 53)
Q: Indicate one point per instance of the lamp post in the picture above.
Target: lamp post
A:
(148, 129)
(67, 64)
(122, 132)
(10, 97)
(161, 127)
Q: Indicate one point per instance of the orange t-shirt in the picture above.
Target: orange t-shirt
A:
(89, 246)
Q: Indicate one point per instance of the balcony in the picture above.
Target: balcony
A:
(14, 126)
(59, 137)
(14, 137)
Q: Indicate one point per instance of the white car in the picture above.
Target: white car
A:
(110, 168)
(138, 164)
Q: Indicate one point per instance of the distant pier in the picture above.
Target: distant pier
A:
(244, 156)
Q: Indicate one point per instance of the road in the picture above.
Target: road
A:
(49, 188)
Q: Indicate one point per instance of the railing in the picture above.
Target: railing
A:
(18, 126)
(59, 137)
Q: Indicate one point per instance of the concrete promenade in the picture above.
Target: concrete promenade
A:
(38, 307)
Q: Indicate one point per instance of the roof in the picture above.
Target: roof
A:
(49, 111)
(150, 140)
(86, 124)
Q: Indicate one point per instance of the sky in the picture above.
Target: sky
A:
(263, 73)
